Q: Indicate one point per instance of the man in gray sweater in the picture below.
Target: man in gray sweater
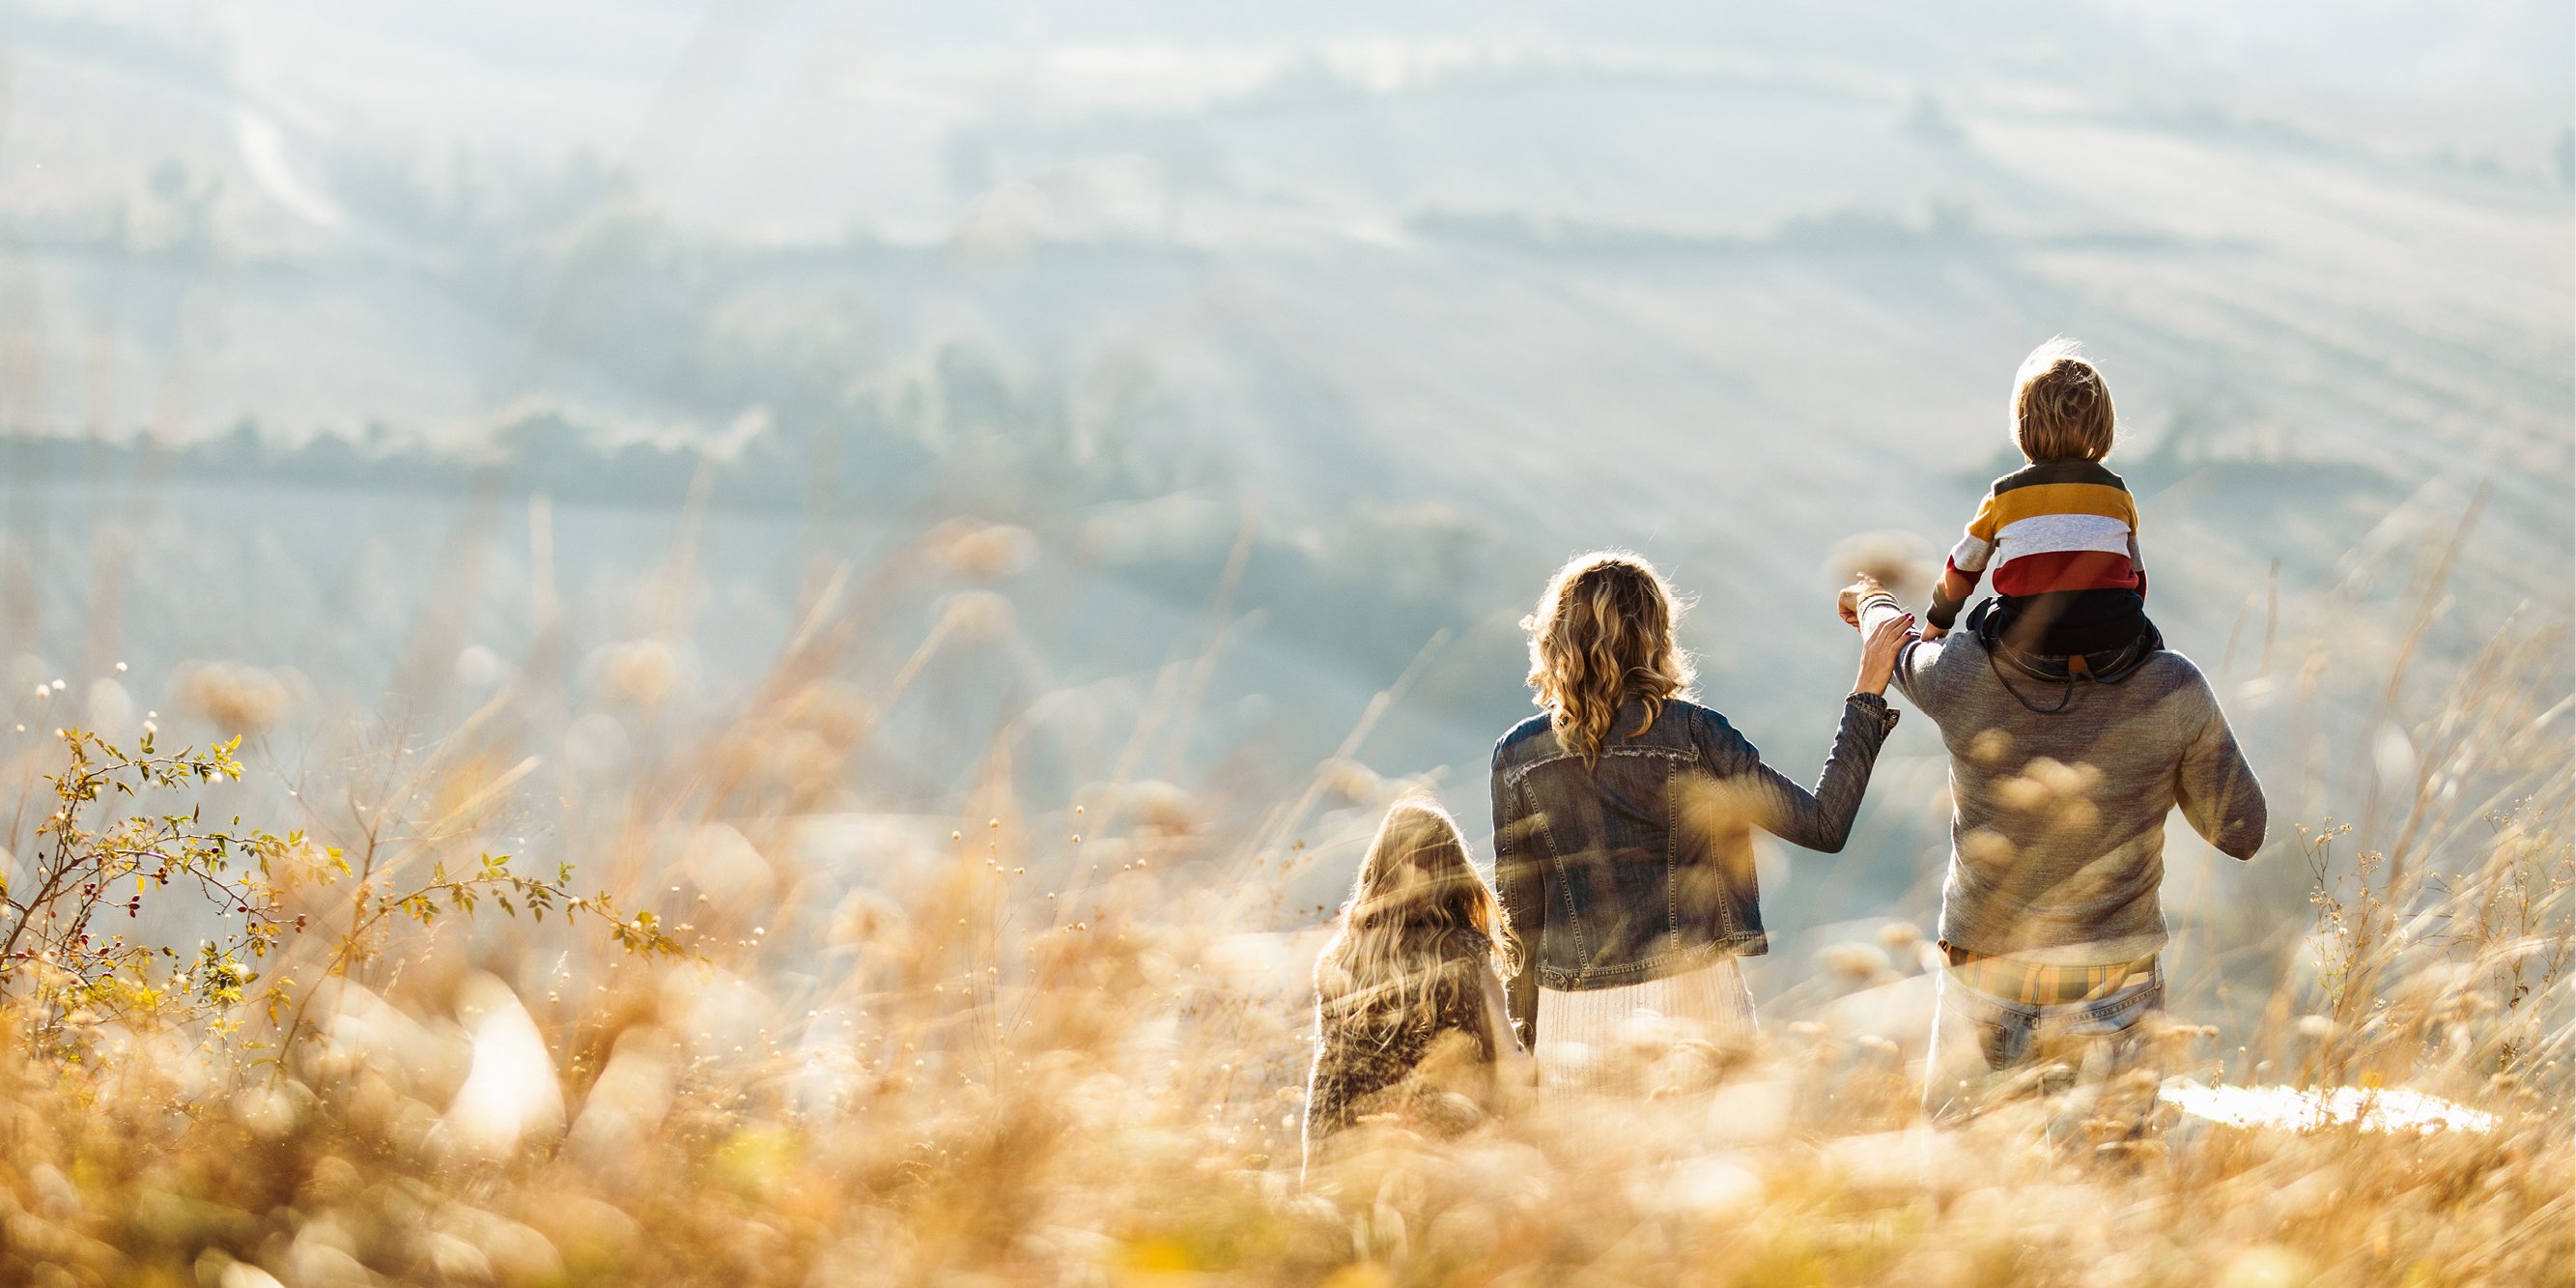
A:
(2061, 777)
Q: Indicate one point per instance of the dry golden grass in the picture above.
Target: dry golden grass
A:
(1052, 1043)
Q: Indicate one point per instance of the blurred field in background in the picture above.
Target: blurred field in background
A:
(736, 449)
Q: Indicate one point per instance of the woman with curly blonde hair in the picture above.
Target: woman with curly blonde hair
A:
(1623, 819)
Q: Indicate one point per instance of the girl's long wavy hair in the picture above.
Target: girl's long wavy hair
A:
(1602, 634)
(1418, 909)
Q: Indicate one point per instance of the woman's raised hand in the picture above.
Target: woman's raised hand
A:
(1878, 652)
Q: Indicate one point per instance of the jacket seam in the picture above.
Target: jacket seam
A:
(1646, 968)
(1564, 879)
(1727, 893)
(1514, 774)
(1672, 870)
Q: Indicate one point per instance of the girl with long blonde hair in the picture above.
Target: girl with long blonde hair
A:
(1408, 995)
(1623, 818)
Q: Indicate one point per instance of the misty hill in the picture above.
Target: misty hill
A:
(298, 308)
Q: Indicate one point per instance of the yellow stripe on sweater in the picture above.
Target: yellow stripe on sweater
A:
(2021, 503)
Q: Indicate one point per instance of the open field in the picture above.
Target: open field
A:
(804, 467)
(1062, 1038)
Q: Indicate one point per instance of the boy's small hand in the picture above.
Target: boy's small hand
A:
(1932, 632)
(1848, 602)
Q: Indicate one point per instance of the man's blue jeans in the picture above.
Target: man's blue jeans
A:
(1977, 1037)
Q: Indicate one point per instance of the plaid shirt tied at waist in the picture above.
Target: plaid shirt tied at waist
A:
(2040, 983)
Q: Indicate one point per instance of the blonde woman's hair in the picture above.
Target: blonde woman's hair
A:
(1418, 909)
(1602, 634)
(2061, 410)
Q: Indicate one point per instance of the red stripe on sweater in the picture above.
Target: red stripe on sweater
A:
(2039, 573)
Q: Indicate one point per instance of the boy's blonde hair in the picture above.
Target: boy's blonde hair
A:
(2061, 410)
(1602, 634)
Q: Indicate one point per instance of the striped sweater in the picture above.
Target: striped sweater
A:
(2066, 530)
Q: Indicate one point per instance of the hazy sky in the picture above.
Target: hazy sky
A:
(772, 118)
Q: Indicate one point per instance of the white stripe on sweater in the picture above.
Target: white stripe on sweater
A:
(1970, 554)
(2051, 533)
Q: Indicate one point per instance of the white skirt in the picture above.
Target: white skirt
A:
(1635, 1038)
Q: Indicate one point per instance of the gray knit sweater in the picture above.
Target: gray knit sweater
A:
(2057, 833)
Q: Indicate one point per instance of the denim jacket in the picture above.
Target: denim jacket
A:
(1640, 865)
